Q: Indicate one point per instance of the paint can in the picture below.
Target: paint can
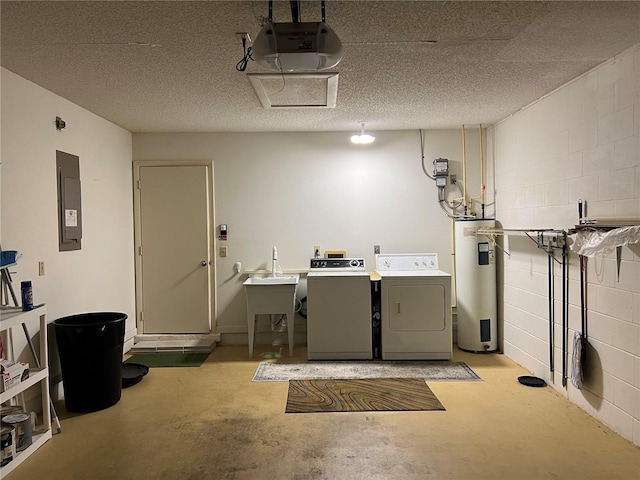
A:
(22, 424)
(10, 410)
(7, 444)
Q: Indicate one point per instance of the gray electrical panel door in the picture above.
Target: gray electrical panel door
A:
(69, 202)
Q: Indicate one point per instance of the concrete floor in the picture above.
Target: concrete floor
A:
(212, 422)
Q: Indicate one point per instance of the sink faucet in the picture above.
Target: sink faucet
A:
(273, 264)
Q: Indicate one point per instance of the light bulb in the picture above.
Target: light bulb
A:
(363, 138)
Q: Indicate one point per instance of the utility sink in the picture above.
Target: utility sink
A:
(271, 295)
(282, 280)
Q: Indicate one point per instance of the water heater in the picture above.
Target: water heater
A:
(476, 287)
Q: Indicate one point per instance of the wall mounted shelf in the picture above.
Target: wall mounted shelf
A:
(546, 239)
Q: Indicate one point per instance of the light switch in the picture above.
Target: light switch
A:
(223, 251)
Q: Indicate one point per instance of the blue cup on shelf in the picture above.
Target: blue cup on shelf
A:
(8, 257)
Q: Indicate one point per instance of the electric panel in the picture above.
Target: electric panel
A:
(69, 202)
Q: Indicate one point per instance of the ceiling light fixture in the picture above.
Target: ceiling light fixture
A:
(363, 138)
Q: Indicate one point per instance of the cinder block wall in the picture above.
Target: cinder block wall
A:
(580, 142)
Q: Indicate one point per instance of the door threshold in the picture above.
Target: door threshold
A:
(175, 343)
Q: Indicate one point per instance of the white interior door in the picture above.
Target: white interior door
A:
(175, 239)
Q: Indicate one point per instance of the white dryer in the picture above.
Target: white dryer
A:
(338, 310)
(415, 307)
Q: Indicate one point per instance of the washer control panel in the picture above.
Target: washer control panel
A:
(411, 262)
(341, 263)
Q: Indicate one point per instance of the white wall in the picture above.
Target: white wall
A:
(581, 141)
(100, 276)
(297, 190)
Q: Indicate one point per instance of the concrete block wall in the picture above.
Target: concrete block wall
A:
(581, 141)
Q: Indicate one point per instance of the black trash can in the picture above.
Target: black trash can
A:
(90, 347)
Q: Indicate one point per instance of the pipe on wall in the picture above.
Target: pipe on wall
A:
(482, 181)
(464, 171)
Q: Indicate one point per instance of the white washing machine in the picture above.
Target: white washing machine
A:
(338, 310)
(415, 307)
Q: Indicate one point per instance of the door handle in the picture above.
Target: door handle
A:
(204, 263)
(398, 308)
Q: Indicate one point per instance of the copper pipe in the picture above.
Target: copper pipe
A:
(464, 171)
(482, 184)
(483, 187)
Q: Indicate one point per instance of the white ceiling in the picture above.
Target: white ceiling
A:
(491, 58)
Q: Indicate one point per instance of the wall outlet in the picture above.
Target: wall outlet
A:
(316, 251)
(376, 249)
(453, 179)
(41, 268)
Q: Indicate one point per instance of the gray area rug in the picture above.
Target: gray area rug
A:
(430, 371)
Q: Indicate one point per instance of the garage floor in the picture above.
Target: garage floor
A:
(212, 422)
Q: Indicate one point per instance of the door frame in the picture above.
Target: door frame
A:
(137, 164)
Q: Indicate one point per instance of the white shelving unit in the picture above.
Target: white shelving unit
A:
(8, 321)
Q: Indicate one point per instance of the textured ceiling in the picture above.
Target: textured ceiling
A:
(491, 58)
